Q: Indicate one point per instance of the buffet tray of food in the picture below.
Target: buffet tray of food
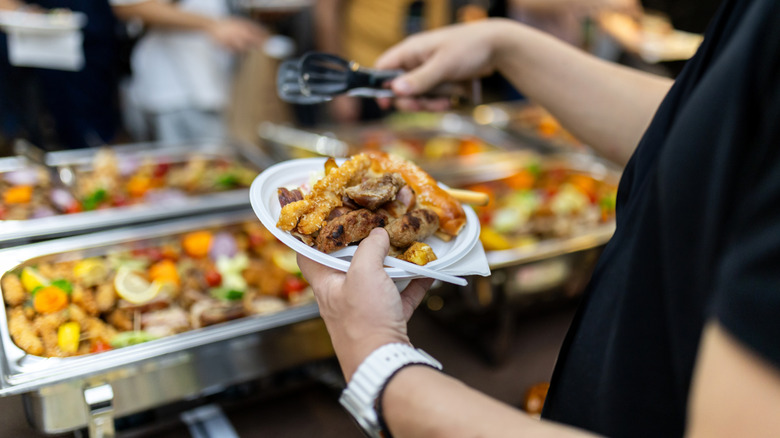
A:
(84, 305)
(432, 141)
(89, 189)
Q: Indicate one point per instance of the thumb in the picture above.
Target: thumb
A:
(419, 80)
(370, 253)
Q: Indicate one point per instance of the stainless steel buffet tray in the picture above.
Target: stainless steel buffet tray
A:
(523, 281)
(22, 372)
(14, 232)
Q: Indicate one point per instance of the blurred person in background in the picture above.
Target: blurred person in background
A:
(182, 67)
(57, 108)
(676, 333)
(361, 30)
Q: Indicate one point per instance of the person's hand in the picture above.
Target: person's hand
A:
(362, 308)
(454, 53)
(236, 34)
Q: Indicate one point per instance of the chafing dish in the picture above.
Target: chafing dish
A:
(64, 394)
(14, 232)
(408, 135)
(525, 280)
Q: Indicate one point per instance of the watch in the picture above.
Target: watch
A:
(360, 396)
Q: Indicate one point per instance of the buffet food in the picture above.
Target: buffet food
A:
(370, 190)
(536, 121)
(423, 148)
(112, 180)
(543, 200)
(27, 193)
(80, 303)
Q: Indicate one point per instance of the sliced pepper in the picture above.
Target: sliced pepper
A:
(18, 195)
(164, 271)
(138, 185)
(197, 244)
(68, 337)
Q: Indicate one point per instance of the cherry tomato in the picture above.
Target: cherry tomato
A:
(99, 347)
(161, 169)
(292, 285)
(213, 278)
(74, 208)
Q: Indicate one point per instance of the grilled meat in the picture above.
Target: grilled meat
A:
(351, 227)
(412, 227)
(374, 192)
(289, 196)
(403, 202)
(340, 211)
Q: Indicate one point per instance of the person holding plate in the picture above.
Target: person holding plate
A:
(676, 333)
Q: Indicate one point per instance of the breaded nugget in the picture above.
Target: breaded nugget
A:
(13, 292)
(86, 299)
(105, 297)
(24, 333)
(309, 214)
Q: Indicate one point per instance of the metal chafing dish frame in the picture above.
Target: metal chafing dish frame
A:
(15, 232)
(147, 375)
(551, 273)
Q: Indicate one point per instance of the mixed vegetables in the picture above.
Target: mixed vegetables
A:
(137, 293)
(538, 203)
(112, 181)
(419, 149)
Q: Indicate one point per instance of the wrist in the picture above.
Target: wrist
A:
(504, 38)
(352, 351)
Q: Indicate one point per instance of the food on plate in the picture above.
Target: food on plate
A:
(147, 290)
(536, 121)
(370, 190)
(542, 201)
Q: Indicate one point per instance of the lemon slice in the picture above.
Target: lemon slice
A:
(133, 287)
(32, 279)
(287, 260)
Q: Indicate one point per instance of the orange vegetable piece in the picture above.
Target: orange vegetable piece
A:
(50, 299)
(164, 271)
(138, 185)
(470, 146)
(522, 180)
(197, 244)
(585, 184)
(18, 195)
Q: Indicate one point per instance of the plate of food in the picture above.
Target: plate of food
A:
(321, 208)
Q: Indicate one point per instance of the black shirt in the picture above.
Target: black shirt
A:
(697, 239)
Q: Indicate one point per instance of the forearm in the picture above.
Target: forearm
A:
(10, 5)
(327, 25)
(605, 105)
(165, 15)
(422, 402)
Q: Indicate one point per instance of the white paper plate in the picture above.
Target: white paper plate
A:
(265, 202)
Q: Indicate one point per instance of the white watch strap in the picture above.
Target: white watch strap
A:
(359, 398)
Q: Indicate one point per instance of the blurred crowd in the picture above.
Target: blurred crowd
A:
(157, 70)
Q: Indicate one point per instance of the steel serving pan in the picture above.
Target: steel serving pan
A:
(22, 372)
(14, 232)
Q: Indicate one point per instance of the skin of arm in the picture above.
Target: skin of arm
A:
(733, 393)
(327, 25)
(232, 33)
(10, 5)
(556, 6)
(606, 105)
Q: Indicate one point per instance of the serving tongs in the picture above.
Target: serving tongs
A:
(317, 77)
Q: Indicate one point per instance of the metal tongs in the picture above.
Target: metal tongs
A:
(64, 176)
(317, 77)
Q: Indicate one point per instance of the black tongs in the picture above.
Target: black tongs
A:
(317, 77)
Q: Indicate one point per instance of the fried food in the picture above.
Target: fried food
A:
(13, 291)
(308, 215)
(452, 218)
(374, 192)
(412, 227)
(418, 253)
(351, 227)
(23, 332)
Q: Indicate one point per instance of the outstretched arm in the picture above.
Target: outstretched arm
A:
(606, 105)
(232, 33)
